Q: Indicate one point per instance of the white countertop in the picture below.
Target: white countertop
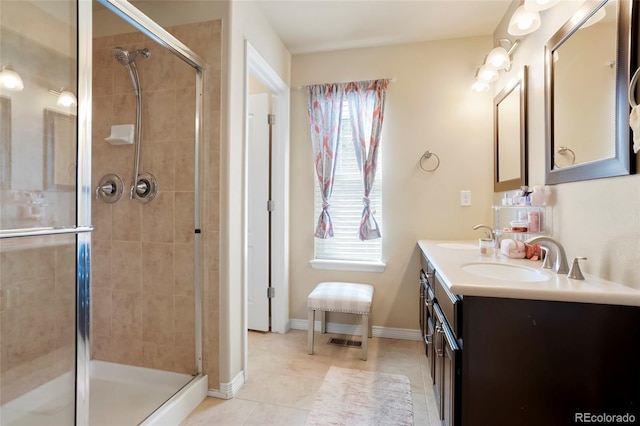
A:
(448, 263)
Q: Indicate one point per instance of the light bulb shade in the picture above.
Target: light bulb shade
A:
(498, 58)
(480, 86)
(67, 99)
(595, 18)
(487, 74)
(11, 80)
(523, 22)
(538, 5)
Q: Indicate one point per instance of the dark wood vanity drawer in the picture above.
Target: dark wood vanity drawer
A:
(427, 267)
(450, 304)
(428, 270)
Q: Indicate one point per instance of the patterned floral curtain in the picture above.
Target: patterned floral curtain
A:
(366, 110)
(325, 113)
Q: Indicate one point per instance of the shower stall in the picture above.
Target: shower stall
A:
(100, 294)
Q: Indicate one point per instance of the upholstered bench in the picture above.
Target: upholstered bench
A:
(350, 298)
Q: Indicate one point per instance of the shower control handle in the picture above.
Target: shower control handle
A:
(142, 187)
(145, 188)
(109, 188)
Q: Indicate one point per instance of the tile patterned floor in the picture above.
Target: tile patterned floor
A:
(283, 379)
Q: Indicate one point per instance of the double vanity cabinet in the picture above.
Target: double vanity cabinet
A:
(542, 351)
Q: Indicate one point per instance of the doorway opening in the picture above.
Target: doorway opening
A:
(278, 235)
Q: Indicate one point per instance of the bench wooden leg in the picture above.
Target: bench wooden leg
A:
(323, 321)
(365, 335)
(310, 327)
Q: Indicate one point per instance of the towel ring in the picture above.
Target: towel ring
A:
(564, 150)
(427, 155)
(632, 89)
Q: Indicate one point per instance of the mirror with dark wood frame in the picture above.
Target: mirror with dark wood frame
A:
(510, 135)
(5, 142)
(60, 151)
(587, 69)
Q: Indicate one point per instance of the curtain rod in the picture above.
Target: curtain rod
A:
(391, 80)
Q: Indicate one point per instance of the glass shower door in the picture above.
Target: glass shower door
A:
(44, 231)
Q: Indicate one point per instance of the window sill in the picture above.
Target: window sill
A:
(348, 265)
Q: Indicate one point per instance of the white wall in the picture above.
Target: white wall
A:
(430, 106)
(599, 219)
(246, 23)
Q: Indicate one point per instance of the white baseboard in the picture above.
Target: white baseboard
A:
(228, 390)
(352, 329)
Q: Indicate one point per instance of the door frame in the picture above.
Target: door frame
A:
(279, 245)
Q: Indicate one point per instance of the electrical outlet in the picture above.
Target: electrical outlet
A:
(465, 198)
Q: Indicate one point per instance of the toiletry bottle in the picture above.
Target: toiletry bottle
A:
(533, 220)
(537, 196)
(486, 246)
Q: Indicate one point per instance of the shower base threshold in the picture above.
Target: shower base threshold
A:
(119, 395)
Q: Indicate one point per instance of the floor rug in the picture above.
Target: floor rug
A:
(356, 397)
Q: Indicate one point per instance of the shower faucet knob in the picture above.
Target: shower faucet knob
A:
(109, 188)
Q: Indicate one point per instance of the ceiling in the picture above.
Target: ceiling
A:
(307, 26)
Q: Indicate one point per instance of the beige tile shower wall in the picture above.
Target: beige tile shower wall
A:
(205, 38)
(37, 312)
(143, 254)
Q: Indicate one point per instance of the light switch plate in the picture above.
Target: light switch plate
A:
(465, 197)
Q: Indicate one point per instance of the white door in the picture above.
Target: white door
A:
(258, 183)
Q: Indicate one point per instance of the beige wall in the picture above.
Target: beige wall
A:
(599, 219)
(429, 106)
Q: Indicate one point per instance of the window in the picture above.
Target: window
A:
(346, 205)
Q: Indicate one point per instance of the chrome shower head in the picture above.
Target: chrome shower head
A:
(125, 57)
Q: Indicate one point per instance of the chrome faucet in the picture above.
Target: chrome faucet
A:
(492, 233)
(561, 265)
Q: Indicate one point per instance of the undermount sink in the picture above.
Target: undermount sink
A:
(504, 272)
(461, 246)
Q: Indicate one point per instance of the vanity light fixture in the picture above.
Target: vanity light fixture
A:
(523, 21)
(488, 74)
(65, 97)
(538, 5)
(499, 57)
(10, 79)
(596, 17)
(479, 85)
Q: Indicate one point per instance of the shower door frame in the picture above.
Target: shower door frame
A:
(151, 29)
(158, 34)
(83, 228)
